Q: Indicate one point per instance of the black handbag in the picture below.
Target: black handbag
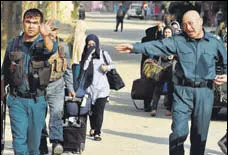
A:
(114, 79)
(142, 89)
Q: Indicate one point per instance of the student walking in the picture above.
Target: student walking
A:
(96, 82)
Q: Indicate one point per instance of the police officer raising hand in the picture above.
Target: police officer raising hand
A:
(45, 29)
(26, 100)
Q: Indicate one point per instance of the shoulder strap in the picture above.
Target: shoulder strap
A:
(15, 44)
(105, 58)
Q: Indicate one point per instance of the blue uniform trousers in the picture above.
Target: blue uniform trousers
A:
(27, 119)
(194, 103)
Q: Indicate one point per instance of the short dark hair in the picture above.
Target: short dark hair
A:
(34, 13)
(168, 27)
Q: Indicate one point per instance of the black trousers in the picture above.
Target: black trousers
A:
(119, 20)
(97, 116)
(157, 94)
(147, 102)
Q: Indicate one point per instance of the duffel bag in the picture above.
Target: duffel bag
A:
(142, 89)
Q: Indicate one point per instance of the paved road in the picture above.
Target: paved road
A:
(127, 130)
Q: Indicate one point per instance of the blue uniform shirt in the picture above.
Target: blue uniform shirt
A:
(196, 57)
(45, 54)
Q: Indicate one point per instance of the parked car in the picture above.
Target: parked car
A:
(136, 11)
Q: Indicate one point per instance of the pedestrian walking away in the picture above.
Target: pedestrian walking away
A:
(119, 17)
(195, 73)
(81, 12)
(27, 72)
(96, 83)
(61, 77)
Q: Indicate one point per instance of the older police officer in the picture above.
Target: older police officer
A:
(195, 73)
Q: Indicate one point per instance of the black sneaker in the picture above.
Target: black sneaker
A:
(223, 144)
(153, 113)
(97, 138)
(57, 149)
(43, 146)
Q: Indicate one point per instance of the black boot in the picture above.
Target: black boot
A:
(43, 146)
(223, 144)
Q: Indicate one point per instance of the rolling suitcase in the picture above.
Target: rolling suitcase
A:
(76, 110)
(75, 136)
(75, 123)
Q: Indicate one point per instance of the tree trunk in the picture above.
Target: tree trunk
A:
(4, 22)
(11, 12)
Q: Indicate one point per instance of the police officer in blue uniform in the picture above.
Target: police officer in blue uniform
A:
(27, 73)
(195, 72)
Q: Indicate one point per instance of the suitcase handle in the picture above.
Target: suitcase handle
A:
(73, 99)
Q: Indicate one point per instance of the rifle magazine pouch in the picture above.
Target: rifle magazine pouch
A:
(44, 76)
(43, 70)
(16, 68)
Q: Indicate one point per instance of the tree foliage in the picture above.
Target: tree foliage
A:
(28, 5)
(49, 9)
(74, 14)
